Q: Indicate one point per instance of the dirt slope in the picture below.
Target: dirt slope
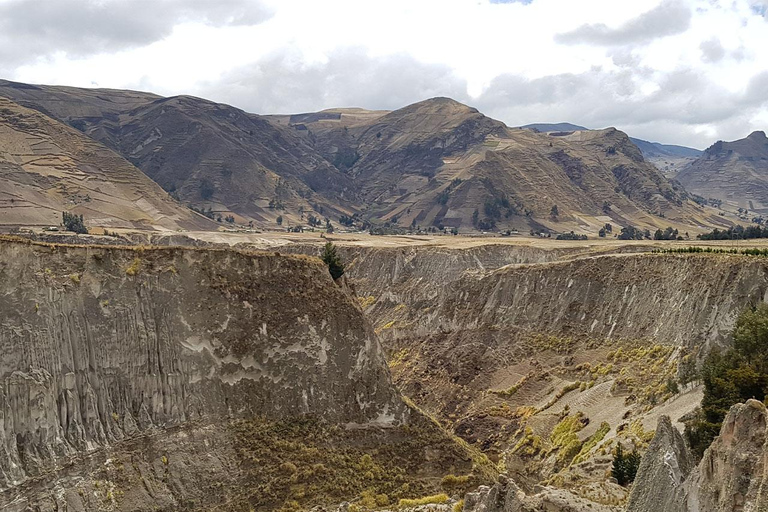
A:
(48, 167)
(733, 172)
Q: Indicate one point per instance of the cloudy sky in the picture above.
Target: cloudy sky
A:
(678, 71)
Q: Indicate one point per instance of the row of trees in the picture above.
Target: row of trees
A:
(633, 233)
(736, 233)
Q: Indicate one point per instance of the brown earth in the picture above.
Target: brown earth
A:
(429, 165)
(47, 167)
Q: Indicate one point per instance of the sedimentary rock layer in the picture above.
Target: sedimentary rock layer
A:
(100, 344)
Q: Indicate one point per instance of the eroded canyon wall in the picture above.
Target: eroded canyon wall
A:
(100, 344)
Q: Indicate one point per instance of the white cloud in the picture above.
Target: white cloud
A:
(651, 65)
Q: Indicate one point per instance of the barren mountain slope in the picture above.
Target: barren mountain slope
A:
(188, 379)
(431, 164)
(733, 172)
(48, 167)
(668, 158)
(209, 155)
(73, 105)
(435, 162)
(217, 156)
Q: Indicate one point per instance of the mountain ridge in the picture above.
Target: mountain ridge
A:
(434, 164)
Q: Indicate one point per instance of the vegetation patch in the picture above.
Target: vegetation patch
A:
(565, 440)
(514, 388)
(366, 302)
(732, 376)
(714, 250)
(300, 463)
(590, 443)
(435, 499)
(134, 267)
(530, 444)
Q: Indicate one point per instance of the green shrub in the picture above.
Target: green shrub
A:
(332, 259)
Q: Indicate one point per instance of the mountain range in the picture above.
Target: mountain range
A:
(649, 149)
(436, 164)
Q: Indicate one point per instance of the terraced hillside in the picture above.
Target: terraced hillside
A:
(47, 167)
(208, 155)
(188, 379)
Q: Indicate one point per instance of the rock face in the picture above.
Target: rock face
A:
(681, 299)
(664, 468)
(730, 477)
(507, 497)
(477, 334)
(102, 344)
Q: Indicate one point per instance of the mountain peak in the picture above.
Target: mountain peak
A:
(757, 134)
(442, 103)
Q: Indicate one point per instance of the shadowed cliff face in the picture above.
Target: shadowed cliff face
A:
(730, 477)
(103, 344)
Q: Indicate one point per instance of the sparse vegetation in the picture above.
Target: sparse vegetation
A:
(667, 234)
(303, 462)
(753, 251)
(591, 442)
(571, 236)
(633, 233)
(736, 233)
(134, 267)
(435, 499)
(565, 439)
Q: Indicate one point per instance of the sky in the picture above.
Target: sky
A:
(686, 72)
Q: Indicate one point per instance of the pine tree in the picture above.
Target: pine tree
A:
(619, 470)
(332, 259)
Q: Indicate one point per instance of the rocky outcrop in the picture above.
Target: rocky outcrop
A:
(505, 496)
(730, 477)
(664, 468)
(103, 344)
